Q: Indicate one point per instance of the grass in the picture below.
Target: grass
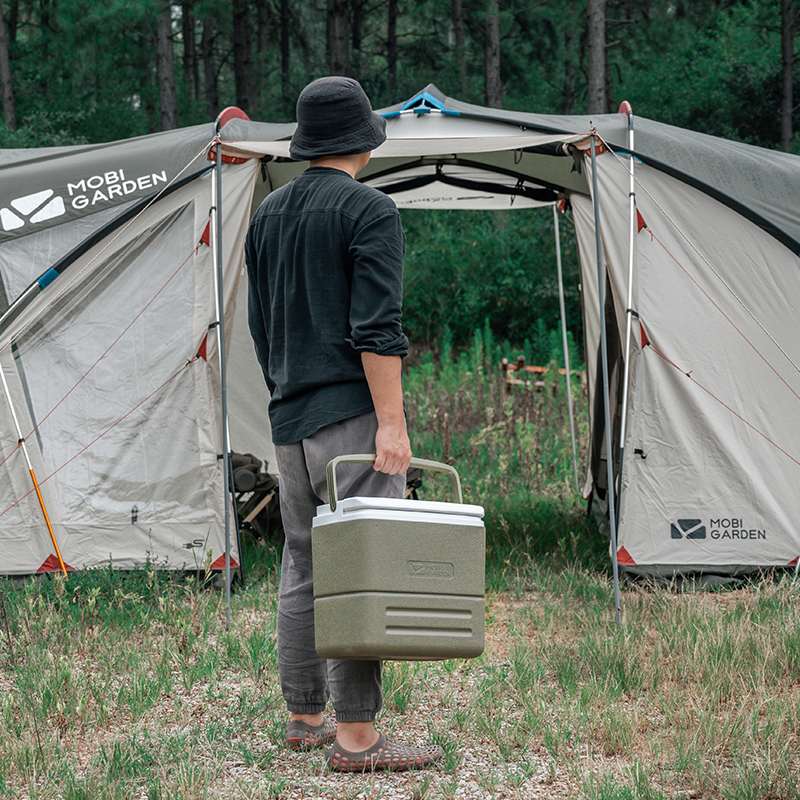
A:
(148, 696)
(128, 686)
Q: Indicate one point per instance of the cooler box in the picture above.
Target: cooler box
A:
(398, 579)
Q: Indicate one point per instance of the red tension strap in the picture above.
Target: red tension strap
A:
(643, 337)
(205, 236)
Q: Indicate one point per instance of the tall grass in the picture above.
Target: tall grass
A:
(511, 445)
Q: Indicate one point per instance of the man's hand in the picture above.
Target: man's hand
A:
(393, 449)
(385, 384)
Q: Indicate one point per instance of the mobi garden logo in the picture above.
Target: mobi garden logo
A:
(688, 528)
(84, 193)
(36, 207)
(715, 528)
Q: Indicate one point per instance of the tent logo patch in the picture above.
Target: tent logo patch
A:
(689, 528)
(32, 208)
(111, 185)
(82, 194)
(732, 528)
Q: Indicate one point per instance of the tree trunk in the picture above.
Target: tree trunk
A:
(263, 20)
(787, 62)
(142, 48)
(260, 48)
(12, 20)
(457, 10)
(45, 28)
(285, 53)
(302, 40)
(165, 62)
(570, 58)
(209, 68)
(242, 67)
(494, 87)
(190, 74)
(356, 34)
(598, 98)
(338, 56)
(391, 50)
(6, 77)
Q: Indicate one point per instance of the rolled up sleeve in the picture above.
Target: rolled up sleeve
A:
(376, 292)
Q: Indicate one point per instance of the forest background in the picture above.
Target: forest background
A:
(77, 71)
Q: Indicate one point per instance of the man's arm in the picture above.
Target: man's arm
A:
(377, 333)
(385, 385)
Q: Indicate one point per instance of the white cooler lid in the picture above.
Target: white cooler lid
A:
(399, 509)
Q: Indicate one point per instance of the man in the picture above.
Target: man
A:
(325, 265)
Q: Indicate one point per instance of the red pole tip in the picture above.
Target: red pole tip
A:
(625, 108)
(225, 116)
(229, 113)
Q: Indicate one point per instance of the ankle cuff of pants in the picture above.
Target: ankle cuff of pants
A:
(358, 715)
(305, 708)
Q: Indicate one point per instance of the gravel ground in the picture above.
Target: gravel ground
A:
(477, 771)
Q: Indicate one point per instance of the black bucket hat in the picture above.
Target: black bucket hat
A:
(334, 117)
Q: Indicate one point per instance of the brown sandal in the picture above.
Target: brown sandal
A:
(383, 755)
(302, 736)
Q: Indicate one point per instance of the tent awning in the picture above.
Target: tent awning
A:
(492, 153)
(408, 135)
(449, 186)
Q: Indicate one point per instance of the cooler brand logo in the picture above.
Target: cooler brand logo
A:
(690, 528)
(195, 544)
(32, 208)
(81, 194)
(431, 569)
(732, 528)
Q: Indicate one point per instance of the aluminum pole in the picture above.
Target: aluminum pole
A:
(629, 302)
(216, 211)
(601, 291)
(565, 346)
(32, 473)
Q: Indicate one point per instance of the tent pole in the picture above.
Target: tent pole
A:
(565, 346)
(32, 472)
(216, 210)
(601, 291)
(625, 108)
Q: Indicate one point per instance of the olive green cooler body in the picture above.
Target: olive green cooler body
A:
(399, 579)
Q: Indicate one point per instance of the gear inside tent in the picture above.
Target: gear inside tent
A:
(690, 273)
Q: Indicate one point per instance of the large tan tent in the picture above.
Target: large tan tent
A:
(109, 347)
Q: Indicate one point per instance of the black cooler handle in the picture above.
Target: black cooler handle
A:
(369, 458)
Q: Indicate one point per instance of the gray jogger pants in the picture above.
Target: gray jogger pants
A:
(307, 679)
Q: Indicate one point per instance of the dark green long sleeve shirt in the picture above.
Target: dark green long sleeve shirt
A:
(324, 261)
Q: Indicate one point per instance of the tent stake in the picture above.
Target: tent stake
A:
(565, 346)
(601, 291)
(625, 108)
(32, 473)
(216, 210)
